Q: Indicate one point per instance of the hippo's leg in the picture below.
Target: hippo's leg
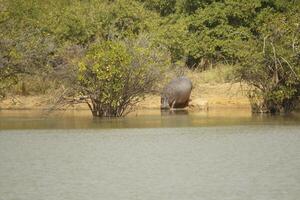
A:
(173, 104)
(187, 102)
(164, 103)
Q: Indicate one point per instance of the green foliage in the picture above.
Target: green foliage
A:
(24, 54)
(83, 22)
(271, 63)
(173, 35)
(102, 69)
(34, 33)
(163, 7)
(46, 37)
(191, 6)
(115, 75)
(24, 50)
(218, 30)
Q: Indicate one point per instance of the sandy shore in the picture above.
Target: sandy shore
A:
(204, 96)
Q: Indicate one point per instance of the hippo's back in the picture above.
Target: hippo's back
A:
(179, 90)
(181, 84)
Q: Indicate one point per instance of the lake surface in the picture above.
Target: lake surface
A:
(193, 156)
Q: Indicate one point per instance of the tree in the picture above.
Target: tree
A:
(162, 7)
(115, 75)
(24, 49)
(270, 63)
(217, 30)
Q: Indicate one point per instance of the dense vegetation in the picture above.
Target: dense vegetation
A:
(99, 49)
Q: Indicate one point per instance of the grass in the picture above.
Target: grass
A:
(220, 74)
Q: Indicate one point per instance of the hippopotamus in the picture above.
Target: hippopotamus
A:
(176, 94)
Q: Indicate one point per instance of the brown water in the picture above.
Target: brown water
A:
(229, 155)
(32, 119)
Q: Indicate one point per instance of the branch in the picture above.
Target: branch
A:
(290, 67)
(275, 62)
(265, 38)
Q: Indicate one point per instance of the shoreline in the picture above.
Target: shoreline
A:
(203, 97)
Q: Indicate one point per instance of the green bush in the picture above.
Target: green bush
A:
(271, 63)
(115, 75)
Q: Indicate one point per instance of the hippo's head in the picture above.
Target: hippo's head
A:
(164, 103)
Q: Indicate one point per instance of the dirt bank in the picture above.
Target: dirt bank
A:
(204, 96)
(207, 96)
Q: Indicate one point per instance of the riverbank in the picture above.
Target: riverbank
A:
(204, 96)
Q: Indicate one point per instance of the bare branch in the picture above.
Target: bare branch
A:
(290, 66)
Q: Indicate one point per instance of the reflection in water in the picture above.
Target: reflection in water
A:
(29, 119)
(174, 112)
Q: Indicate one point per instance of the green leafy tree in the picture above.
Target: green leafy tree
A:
(188, 7)
(173, 35)
(271, 63)
(163, 7)
(24, 50)
(116, 75)
(219, 29)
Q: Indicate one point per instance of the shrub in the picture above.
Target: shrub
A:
(271, 64)
(115, 75)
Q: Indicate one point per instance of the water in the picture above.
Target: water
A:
(217, 157)
(30, 119)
